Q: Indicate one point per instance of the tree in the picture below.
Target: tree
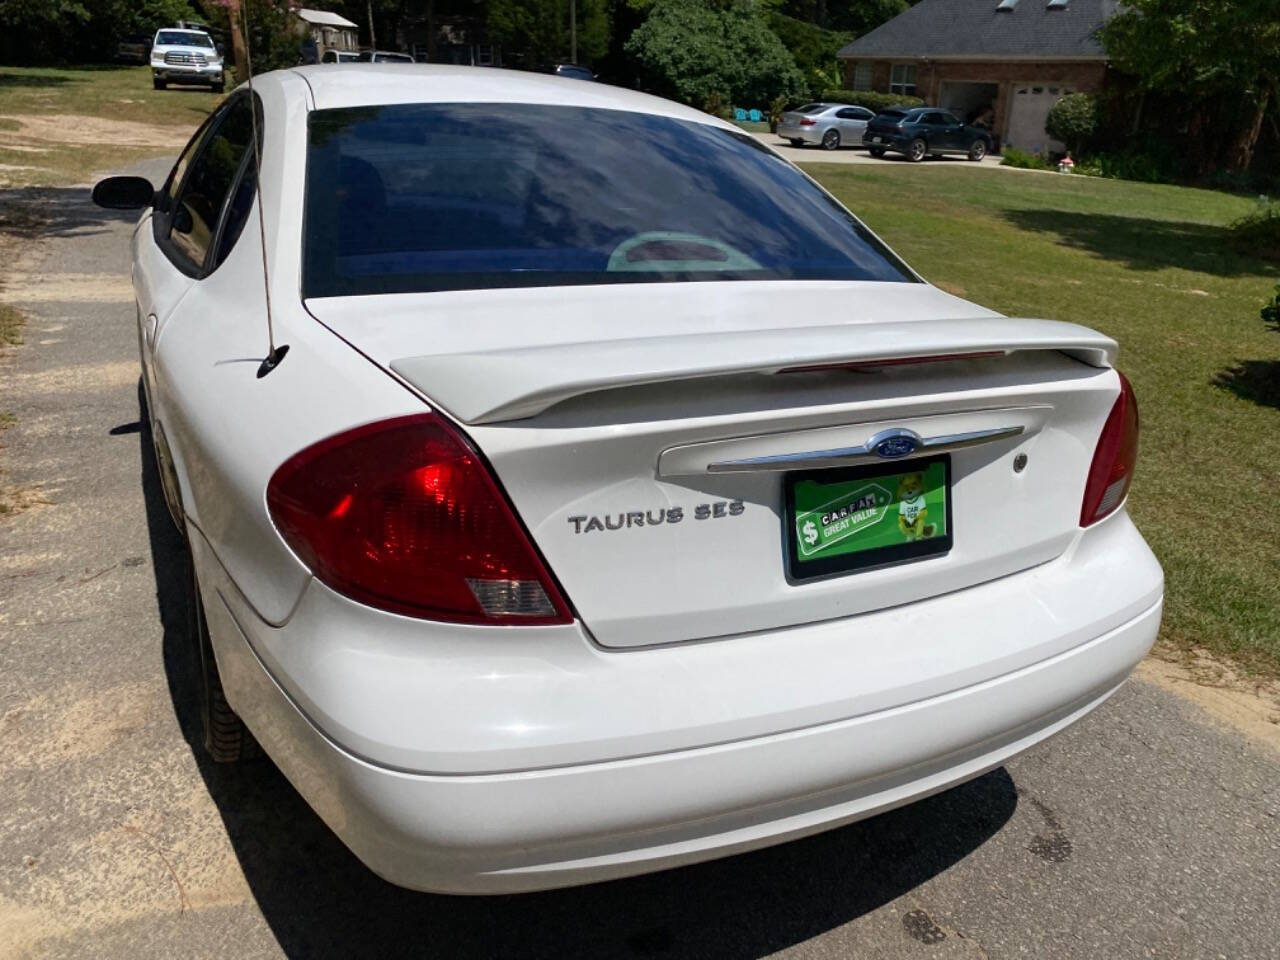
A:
(1223, 56)
(813, 49)
(694, 50)
(538, 31)
(1073, 120)
(44, 31)
(857, 16)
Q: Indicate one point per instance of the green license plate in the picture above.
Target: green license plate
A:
(842, 520)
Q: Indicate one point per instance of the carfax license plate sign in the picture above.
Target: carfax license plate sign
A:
(841, 520)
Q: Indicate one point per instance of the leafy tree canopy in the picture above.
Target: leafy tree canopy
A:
(540, 29)
(700, 50)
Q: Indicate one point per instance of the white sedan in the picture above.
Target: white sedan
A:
(620, 500)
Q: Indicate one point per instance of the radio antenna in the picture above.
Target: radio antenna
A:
(274, 354)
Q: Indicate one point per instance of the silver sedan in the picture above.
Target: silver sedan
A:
(830, 124)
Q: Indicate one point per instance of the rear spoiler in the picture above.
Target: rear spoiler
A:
(512, 384)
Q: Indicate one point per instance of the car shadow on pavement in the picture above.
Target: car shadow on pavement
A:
(320, 901)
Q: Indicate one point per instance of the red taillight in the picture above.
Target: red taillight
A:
(404, 515)
(1114, 459)
(807, 121)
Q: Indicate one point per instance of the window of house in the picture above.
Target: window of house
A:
(862, 75)
(902, 79)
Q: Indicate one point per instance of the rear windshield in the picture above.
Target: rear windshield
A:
(424, 197)
(894, 114)
(180, 38)
(812, 108)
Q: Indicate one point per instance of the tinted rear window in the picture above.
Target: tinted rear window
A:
(423, 197)
(812, 108)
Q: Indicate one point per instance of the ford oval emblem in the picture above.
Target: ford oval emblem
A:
(894, 444)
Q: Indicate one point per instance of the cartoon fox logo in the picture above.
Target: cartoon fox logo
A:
(912, 513)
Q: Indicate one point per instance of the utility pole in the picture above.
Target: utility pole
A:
(573, 31)
(373, 40)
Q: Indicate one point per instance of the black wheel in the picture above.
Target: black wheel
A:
(831, 140)
(797, 142)
(226, 738)
(977, 149)
(158, 83)
(217, 87)
(917, 150)
(877, 152)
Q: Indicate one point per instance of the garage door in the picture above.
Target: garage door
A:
(1028, 109)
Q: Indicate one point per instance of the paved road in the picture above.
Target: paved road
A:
(1144, 831)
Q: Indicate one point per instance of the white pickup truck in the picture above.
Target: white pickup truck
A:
(186, 56)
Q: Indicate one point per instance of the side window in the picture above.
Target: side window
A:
(179, 171)
(949, 119)
(195, 216)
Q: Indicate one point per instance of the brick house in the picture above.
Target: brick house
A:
(1009, 60)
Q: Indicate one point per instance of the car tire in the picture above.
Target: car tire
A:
(797, 142)
(831, 140)
(917, 150)
(159, 84)
(217, 87)
(226, 738)
(877, 152)
(977, 150)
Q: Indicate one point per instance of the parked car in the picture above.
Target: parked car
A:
(920, 132)
(574, 71)
(830, 124)
(340, 56)
(384, 56)
(135, 49)
(186, 56)
(582, 525)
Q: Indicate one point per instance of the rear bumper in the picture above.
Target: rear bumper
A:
(805, 134)
(556, 821)
(891, 142)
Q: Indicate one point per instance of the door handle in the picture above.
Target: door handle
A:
(151, 329)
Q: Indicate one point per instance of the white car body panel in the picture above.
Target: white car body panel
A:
(487, 759)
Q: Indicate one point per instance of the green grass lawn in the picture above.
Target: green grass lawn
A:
(96, 97)
(1152, 267)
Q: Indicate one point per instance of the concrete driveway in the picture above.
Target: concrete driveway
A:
(859, 154)
(1145, 831)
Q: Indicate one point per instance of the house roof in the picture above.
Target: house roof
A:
(975, 29)
(325, 18)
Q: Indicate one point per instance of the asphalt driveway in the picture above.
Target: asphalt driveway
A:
(1144, 831)
(859, 154)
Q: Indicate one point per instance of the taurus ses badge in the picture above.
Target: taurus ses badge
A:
(894, 444)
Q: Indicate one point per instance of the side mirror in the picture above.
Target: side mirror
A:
(124, 193)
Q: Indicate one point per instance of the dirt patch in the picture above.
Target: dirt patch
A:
(66, 288)
(93, 131)
(1250, 705)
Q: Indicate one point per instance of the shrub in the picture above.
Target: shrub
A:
(1271, 311)
(1013, 157)
(776, 108)
(1073, 120)
(1258, 231)
(1147, 167)
(871, 100)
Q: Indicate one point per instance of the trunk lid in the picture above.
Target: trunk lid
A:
(609, 414)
